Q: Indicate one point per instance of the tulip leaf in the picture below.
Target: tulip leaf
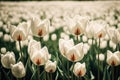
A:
(61, 72)
(57, 75)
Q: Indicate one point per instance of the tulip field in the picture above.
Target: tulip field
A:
(69, 40)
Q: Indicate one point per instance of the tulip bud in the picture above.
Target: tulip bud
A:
(79, 69)
(3, 50)
(101, 57)
(50, 66)
(18, 70)
(8, 59)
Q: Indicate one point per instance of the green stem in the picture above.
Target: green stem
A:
(51, 76)
(112, 72)
(21, 54)
(80, 78)
(47, 75)
(38, 73)
(68, 70)
(72, 71)
(98, 62)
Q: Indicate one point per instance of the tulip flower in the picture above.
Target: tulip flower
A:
(8, 59)
(75, 53)
(40, 57)
(64, 45)
(113, 59)
(95, 29)
(77, 25)
(114, 35)
(20, 32)
(39, 28)
(18, 70)
(50, 66)
(79, 69)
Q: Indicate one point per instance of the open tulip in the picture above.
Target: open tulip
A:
(75, 53)
(113, 59)
(40, 57)
(95, 29)
(79, 69)
(20, 32)
(50, 66)
(8, 59)
(39, 28)
(64, 45)
(18, 70)
(77, 25)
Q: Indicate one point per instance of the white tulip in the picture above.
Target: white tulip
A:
(50, 66)
(101, 57)
(95, 29)
(113, 59)
(114, 35)
(40, 57)
(79, 69)
(8, 59)
(77, 25)
(6, 38)
(1, 35)
(64, 45)
(53, 37)
(75, 53)
(20, 32)
(18, 70)
(3, 50)
(39, 28)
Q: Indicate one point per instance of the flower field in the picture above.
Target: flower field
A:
(57, 40)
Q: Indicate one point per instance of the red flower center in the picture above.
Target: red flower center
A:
(73, 57)
(100, 35)
(79, 73)
(19, 37)
(38, 61)
(113, 63)
(40, 32)
(77, 31)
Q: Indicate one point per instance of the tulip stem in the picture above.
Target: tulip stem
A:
(72, 71)
(68, 70)
(51, 76)
(98, 62)
(38, 73)
(112, 72)
(21, 55)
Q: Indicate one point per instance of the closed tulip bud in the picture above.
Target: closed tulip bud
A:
(8, 59)
(18, 70)
(79, 69)
(3, 50)
(50, 66)
(101, 57)
(113, 59)
(40, 57)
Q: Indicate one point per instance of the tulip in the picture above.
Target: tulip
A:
(18, 70)
(40, 57)
(75, 53)
(113, 59)
(39, 28)
(8, 59)
(20, 33)
(79, 69)
(77, 25)
(64, 45)
(95, 29)
(114, 35)
(3, 50)
(101, 57)
(50, 66)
